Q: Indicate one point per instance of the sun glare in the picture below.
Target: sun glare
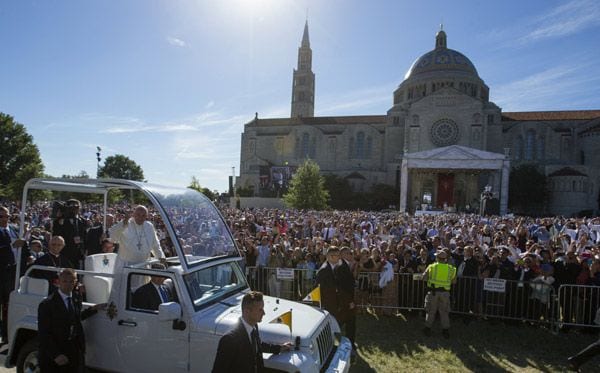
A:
(256, 7)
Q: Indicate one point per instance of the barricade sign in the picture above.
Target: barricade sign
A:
(285, 273)
(497, 285)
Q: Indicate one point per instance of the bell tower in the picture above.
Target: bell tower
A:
(303, 84)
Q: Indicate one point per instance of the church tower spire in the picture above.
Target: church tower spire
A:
(440, 38)
(303, 85)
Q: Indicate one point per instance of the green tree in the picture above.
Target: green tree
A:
(528, 189)
(340, 190)
(381, 196)
(307, 188)
(121, 167)
(195, 184)
(247, 191)
(81, 175)
(19, 158)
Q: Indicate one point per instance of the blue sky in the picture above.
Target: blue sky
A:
(170, 84)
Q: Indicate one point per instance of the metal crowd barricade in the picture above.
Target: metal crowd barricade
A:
(578, 305)
(405, 292)
(534, 301)
(371, 294)
(493, 298)
(530, 301)
(286, 283)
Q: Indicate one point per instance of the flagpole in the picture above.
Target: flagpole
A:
(319, 287)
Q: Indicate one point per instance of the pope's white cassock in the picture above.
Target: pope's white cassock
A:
(136, 242)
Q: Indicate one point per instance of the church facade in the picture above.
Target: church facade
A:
(440, 144)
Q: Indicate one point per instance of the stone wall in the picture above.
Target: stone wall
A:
(257, 202)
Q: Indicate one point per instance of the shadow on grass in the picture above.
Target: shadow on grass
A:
(389, 343)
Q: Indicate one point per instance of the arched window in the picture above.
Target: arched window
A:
(541, 147)
(369, 146)
(415, 120)
(517, 153)
(297, 148)
(529, 145)
(360, 145)
(305, 145)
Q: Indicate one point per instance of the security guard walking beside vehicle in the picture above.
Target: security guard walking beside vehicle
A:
(439, 276)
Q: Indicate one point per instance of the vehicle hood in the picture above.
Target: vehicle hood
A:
(224, 316)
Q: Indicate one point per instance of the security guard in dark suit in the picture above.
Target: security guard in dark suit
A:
(62, 343)
(326, 279)
(346, 285)
(241, 349)
(9, 243)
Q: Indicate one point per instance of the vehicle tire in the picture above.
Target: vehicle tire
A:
(28, 357)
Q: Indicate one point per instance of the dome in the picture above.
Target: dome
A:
(442, 59)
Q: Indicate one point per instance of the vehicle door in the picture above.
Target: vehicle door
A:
(145, 343)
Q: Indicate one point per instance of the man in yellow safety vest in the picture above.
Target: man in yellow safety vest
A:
(439, 276)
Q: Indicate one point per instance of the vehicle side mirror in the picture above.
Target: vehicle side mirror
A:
(169, 311)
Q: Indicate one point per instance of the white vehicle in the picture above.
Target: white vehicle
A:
(182, 336)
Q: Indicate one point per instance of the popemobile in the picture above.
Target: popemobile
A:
(207, 282)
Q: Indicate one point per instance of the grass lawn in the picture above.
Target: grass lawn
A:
(396, 344)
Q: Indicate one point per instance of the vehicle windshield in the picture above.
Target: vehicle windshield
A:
(211, 284)
(197, 224)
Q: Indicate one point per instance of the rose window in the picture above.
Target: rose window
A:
(444, 132)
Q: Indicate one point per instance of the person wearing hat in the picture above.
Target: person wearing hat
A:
(439, 276)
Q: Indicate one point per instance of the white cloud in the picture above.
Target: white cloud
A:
(357, 101)
(168, 127)
(194, 123)
(176, 42)
(562, 20)
(556, 87)
(565, 19)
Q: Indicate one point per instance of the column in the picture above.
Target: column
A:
(505, 172)
(403, 185)
(496, 183)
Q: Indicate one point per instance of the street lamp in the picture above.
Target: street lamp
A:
(98, 158)
(232, 183)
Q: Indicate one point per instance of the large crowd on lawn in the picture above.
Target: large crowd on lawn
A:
(387, 247)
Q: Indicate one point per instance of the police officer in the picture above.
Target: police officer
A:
(439, 276)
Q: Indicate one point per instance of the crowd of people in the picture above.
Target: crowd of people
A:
(385, 252)
(385, 247)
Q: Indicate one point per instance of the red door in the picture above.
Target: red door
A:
(445, 192)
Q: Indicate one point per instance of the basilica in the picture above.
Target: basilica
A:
(441, 142)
